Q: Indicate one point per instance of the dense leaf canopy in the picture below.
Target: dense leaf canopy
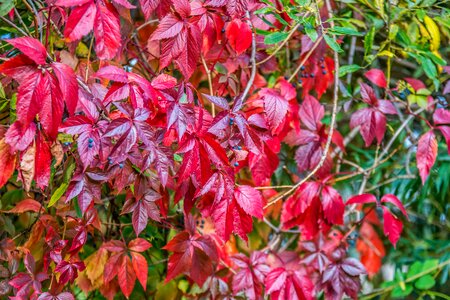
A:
(224, 149)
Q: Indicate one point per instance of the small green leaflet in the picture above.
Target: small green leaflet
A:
(57, 194)
(343, 70)
(345, 30)
(368, 41)
(6, 6)
(332, 43)
(275, 37)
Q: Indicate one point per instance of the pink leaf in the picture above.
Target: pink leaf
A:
(32, 48)
(362, 199)
(107, 31)
(389, 198)
(392, 226)
(426, 154)
(377, 77)
(80, 22)
(333, 206)
(250, 200)
(311, 112)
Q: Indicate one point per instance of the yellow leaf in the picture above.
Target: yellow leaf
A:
(435, 35)
(386, 53)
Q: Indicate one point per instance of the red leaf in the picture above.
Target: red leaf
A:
(187, 60)
(392, 226)
(30, 47)
(25, 206)
(251, 274)
(193, 255)
(370, 248)
(68, 85)
(163, 82)
(282, 283)
(20, 137)
(311, 113)
(69, 270)
(389, 198)
(275, 106)
(445, 130)
(362, 199)
(333, 206)
(168, 27)
(19, 67)
(52, 106)
(182, 7)
(29, 98)
(250, 200)
(219, 101)
(7, 162)
(106, 31)
(426, 154)
(149, 6)
(139, 245)
(81, 21)
(140, 267)
(372, 124)
(69, 3)
(377, 77)
(441, 117)
(42, 161)
(239, 35)
(126, 276)
(342, 277)
(368, 94)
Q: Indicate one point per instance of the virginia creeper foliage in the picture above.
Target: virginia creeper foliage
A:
(218, 149)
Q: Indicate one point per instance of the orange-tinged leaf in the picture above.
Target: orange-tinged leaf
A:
(95, 266)
(371, 249)
(127, 276)
(140, 266)
(7, 162)
(25, 206)
(27, 169)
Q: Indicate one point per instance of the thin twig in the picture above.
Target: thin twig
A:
(13, 25)
(291, 33)
(211, 92)
(333, 117)
(400, 177)
(306, 58)
(88, 61)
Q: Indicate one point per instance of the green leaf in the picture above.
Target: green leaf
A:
(280, 19)
(368, 41)
(332, 43)
(345, 30)
(420, 100)
(343, 70)
(436, 59)
(6, 6)
(398, 292)
(414, 269)
(57, 194)
(428, 67)
(275, 38)
(311, 32)
(430, 263)
(425, 283)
